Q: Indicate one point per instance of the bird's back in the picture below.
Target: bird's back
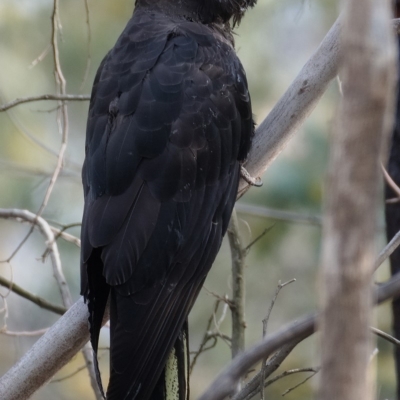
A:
(169, 123)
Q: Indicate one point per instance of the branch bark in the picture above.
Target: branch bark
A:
(50, 353)
(350, 223)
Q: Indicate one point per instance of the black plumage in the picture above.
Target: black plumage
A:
(169, 124)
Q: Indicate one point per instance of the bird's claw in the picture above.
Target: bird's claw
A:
(250, 179)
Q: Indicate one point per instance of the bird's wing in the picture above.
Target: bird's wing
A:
(169, 120)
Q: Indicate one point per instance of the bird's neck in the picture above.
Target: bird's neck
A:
(204, 11)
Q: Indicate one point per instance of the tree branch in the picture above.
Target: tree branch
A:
(49, 354)
(58, 97)
(31, 297)
(238, 255)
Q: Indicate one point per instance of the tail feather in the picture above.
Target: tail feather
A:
(97, 297)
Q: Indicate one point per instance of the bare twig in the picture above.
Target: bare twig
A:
(265, 325)
(39, 332)
(238, 255)
(271, 306)
(252, 387)
(58, 97)
(259, 237)
(205, 338)
(314, 372)
(32, 297)
(387, 251)
(89, 41)
(51, 245)
(386, 336)
(282, 215)
(391, 183)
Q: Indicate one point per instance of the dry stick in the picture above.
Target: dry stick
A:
(386, 336)
(252, 387)
(89, 41)
(39, 332)
(32, 297)
(206, 338)
(391, 183)
(387, 251)
(302, 328)
(314, 372)
(360, 139)
(238, 255)
(283, 215)
(265, 325)
(44, 228)
(58, 97)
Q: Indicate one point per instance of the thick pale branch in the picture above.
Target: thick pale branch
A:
(50, 353)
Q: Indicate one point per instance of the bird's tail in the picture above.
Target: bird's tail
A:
(173, 383)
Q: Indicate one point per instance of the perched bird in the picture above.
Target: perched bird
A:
(169, 125)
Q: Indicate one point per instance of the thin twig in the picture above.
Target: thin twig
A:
(39, 332)
(205, 337)
(265, 325)
(32, 297)
(391, 183)
(386, 336)
(51, 245)
(252, 387)
(41, 56)
(238, 255)
(259, 237)
(314, 372)
(282, 215)
(387, 251)
(58, 97)
(89, 41)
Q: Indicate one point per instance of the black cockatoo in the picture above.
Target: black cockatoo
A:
(169, 125)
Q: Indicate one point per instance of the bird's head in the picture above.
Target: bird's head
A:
(226, 10)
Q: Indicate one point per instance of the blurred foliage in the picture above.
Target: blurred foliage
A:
(274, 40)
